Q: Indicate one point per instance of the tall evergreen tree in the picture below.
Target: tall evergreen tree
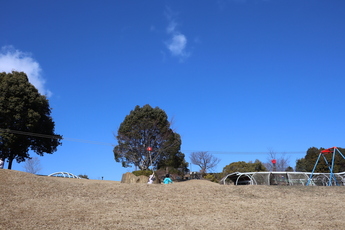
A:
(25, 121)
(145, 138)
(307, 163)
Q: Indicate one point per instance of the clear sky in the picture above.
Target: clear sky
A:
(238, 77)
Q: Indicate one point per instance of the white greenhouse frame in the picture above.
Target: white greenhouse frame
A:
(283, 178)
(64, 174)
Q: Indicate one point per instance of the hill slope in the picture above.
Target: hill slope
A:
(36, 202)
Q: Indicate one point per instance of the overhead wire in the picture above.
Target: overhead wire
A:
(111, 144)
(246, 152)
(53, 137)
(30, 134)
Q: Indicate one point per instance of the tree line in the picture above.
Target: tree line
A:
(145, 138)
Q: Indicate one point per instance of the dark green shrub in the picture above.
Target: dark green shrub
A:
(142, 172)
(84, 176)
(214, 177)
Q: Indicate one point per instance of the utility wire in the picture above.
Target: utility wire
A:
(110, 144)
(30, 134)
(88, 141)
(246, 152)
(52, 137)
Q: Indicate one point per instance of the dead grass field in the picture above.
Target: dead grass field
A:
(35, 202)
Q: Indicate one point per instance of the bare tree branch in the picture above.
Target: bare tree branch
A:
(282, 161)
(33, 165)
(206, 161)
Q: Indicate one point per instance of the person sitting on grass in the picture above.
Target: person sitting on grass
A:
(167, 180)
(151, 179)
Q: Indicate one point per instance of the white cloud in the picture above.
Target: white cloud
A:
(177, 45)
(16, 60)
(178, 42)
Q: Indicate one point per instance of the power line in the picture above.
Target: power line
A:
(88, 141)
(30, 134)
(53, 137)
(246, 152)
(110, 144)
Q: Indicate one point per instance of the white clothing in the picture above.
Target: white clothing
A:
(150, 179)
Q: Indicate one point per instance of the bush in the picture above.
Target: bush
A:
(214, 177)
(83, 176)
(142, 172)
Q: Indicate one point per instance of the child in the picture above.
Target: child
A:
(167, 180)
(151, 179)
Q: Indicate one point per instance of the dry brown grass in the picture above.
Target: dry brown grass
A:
(35, 202)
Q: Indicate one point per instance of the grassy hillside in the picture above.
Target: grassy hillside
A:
(35, 202)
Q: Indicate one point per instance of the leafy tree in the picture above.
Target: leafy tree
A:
(307, 163)
(173, 157)
(204, 160)
(173, 160)
(147, 127)
(242, 166)
(25, 121)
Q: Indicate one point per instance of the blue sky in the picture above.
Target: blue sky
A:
(238, 77)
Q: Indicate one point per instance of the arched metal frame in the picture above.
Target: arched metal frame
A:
(64, 174)
(293, 178)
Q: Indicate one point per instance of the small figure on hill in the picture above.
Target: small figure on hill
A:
(151, 179)
(1, 163)
(167, 179)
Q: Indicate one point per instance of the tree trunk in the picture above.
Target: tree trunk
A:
(10, 163)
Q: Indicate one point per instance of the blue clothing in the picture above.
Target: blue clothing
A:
(167, 180)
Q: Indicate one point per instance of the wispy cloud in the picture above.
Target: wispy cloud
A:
(16, 60)
(177, 42)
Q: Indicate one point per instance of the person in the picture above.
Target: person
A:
(167, 180)
(151, 179)
(1, 163)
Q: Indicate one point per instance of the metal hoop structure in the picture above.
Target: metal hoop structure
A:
(283, 178)
(64, 174)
